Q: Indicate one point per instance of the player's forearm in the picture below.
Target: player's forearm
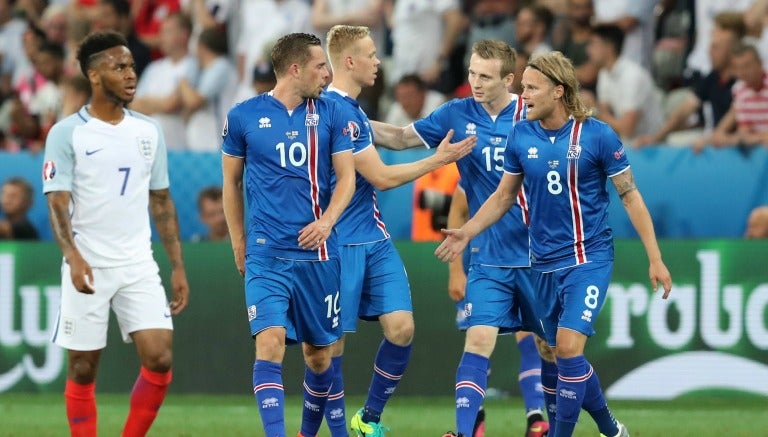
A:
(393, 137)
(234, 210)
(642, 222)
(400, 174)
(163, 212)
(492, 211)
(61, 225)
(342, 194)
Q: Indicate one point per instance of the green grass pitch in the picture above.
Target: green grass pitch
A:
(696, 415)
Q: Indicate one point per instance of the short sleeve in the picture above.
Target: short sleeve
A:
(358, 130)
(432, 128)
(234, 142)
(59, 161)
(512, 163)
(341, 141)
(613, 157)
(159, 178)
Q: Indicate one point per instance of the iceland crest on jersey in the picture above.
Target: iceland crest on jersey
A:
(574, 151)
(146, 148)
(312, 120)
(49, 170)
(352, 129)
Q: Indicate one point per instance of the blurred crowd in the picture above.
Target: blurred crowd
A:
(673, 72)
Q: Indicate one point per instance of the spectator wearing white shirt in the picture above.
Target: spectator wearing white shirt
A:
(206, 102)
(628, 99)
(413, 100)
(156, 92)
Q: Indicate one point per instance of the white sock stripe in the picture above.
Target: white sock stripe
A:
(386, 375)
(548, 390)
(528, 374)
(470, 385)
(581, 378)
(267, 385)
(335, 396)
(316, 393)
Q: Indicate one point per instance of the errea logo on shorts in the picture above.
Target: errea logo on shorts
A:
(270, 402)
(251, 312)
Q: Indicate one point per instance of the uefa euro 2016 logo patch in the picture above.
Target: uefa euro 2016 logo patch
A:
(352, 129)
(49, 170)
(574, 151)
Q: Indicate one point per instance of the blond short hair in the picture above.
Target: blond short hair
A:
(343, 36)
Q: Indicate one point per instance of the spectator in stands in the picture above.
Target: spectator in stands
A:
(490, 19)
(262, 23)
(746, 123)
(713, 89)
(424, 35)
(206, 102)
(116, 15)
(413, 100)
(157, 91)
(75, 93)
(571, 37)
(55, 23)
(39, 97)
(14, 62)
(148, 17)
(757, 223)
(211, 211)
(432, 195)
(636, 20)
(627, 96)
(698, 63)
(369, 13)
(532, 29)
(672, 41)
(15, 201)
(264, 79)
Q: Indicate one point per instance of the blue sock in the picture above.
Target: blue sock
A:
(597, 407)
(549, 386)
(388, 367)
(471, 382)
(530, 375)
(270, 397)
(335, 414)
(573, 374)
(316, 388)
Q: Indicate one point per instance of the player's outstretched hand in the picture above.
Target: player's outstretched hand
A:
(239, 252)
(452, 152)
(453, 245)
(658, 273)
(81, 274)
(180, 290)
(457, 284)
(314, 234)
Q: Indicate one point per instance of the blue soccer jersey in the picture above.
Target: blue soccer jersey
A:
(361, 221)
(505, 243)
(288, 170)
(565, 174)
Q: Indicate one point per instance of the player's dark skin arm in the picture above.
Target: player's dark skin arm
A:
(163, 212)
(58, 212)
(632, 200)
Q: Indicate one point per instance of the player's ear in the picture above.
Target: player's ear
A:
(559, 91)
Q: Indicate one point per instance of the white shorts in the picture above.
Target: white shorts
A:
(135, 294)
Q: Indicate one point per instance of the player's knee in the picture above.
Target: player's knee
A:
(159, 362)
(546, 352)
(82, 371)
(480, 341)
(400, 334)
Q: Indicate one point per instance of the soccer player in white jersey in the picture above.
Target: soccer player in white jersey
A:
(374, 285)
(286, 146)
(565, 157)
(105, 168)
(499, 285)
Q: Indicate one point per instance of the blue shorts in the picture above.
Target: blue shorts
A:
(501, 297)
(572, 298)
(373, 282)
(301, 296)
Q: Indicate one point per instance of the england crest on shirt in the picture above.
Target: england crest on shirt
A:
(574, 151)
(146, 148)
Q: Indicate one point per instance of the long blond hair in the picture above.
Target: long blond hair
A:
(559, 69)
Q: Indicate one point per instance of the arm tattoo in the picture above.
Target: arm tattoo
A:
(625, 183)
(163, 213)
(58, 210)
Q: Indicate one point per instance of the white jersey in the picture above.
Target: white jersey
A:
(109, 170)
